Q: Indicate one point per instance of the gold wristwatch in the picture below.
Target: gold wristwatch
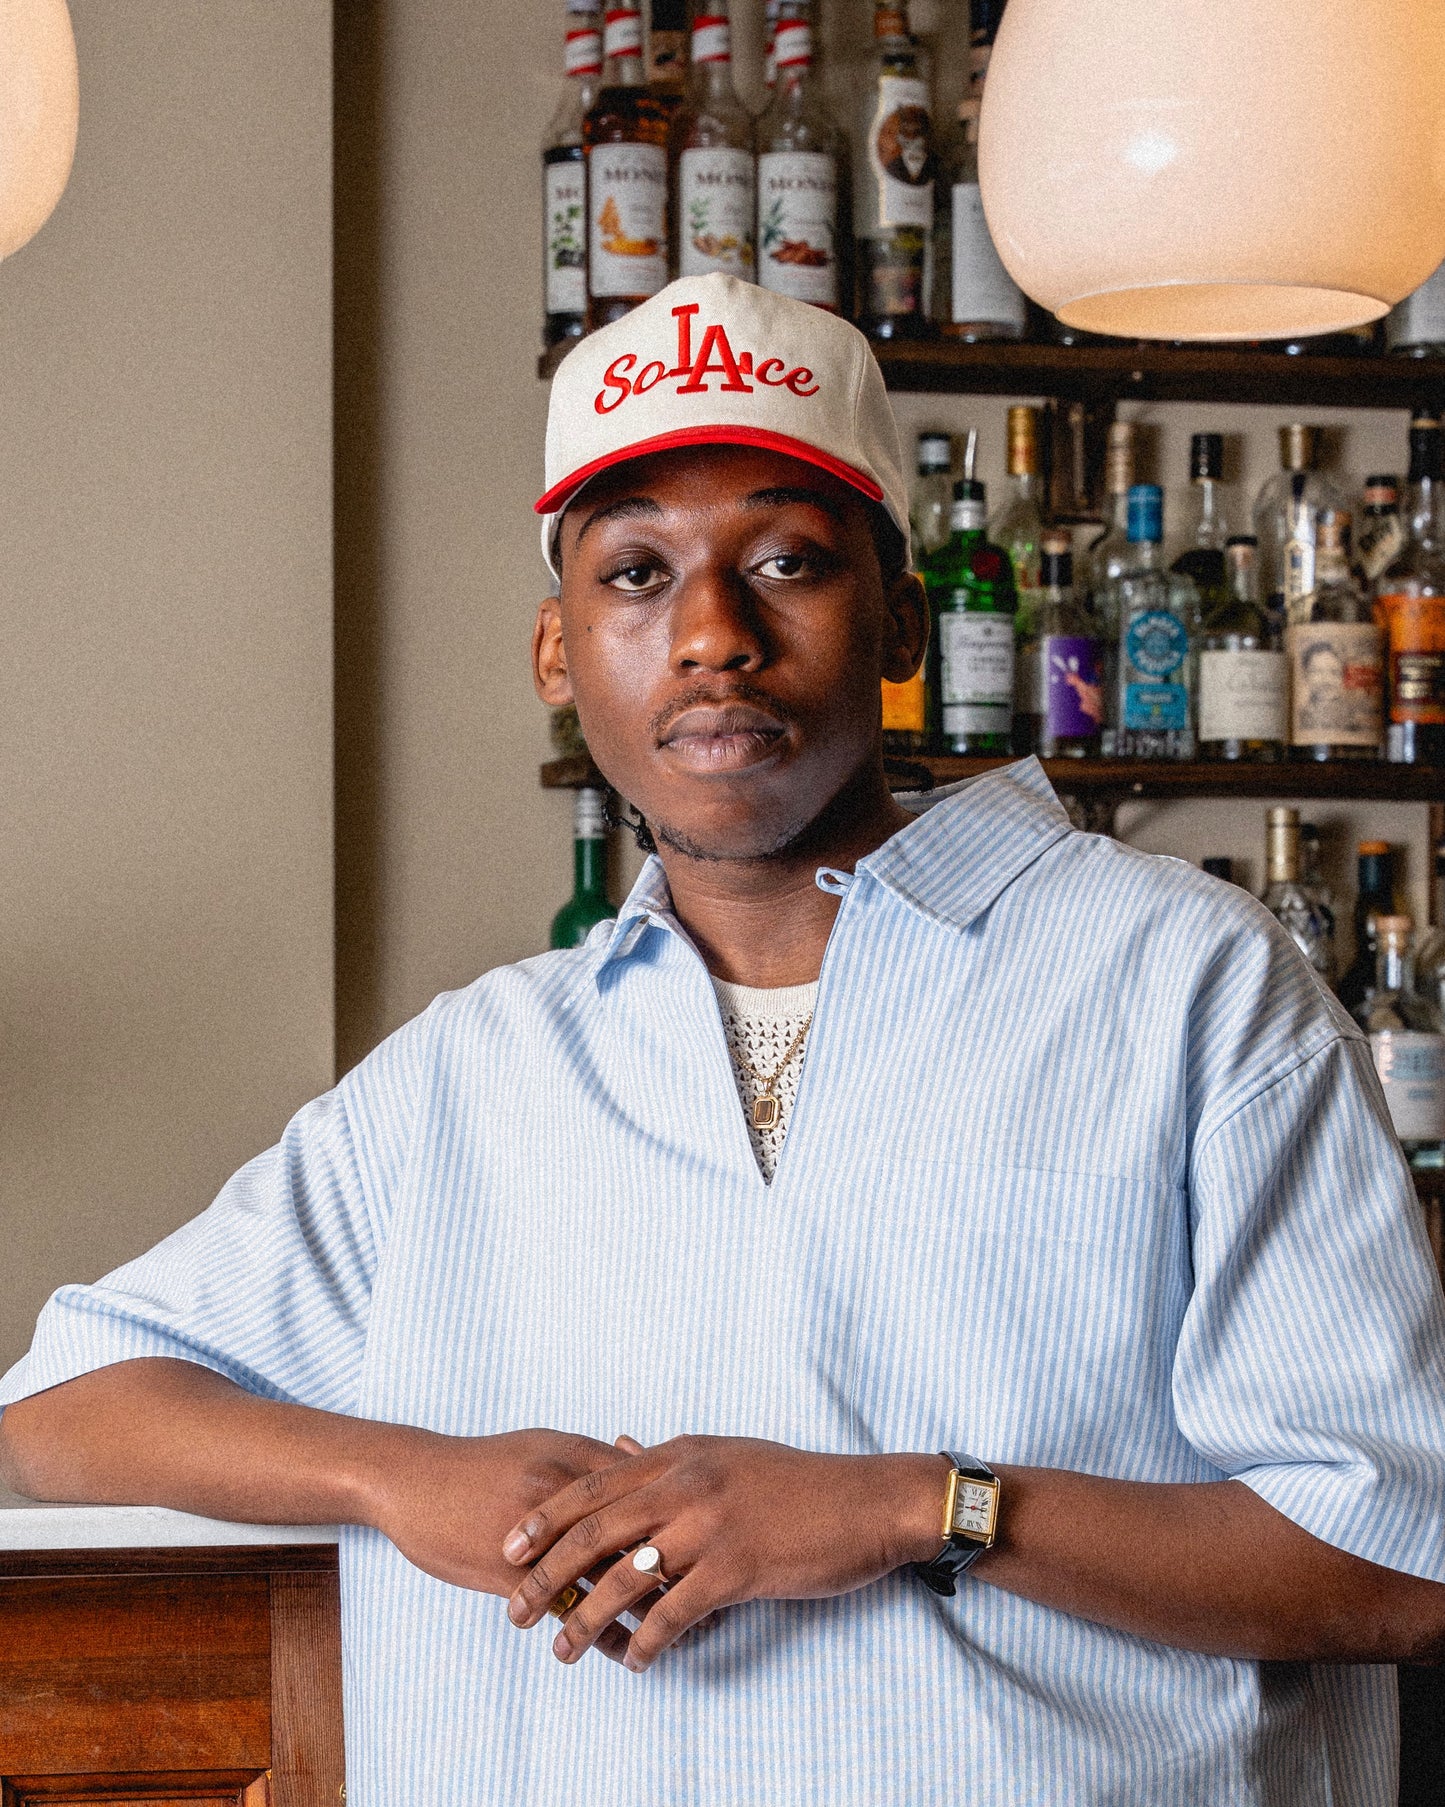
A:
(970, 1522)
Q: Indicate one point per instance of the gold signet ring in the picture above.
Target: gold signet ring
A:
(565, 1601)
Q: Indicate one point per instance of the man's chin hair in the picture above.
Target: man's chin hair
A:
(683, 843)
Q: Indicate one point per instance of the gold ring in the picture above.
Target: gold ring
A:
(566, 1600)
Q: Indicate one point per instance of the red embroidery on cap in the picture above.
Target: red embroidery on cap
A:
(715, 357)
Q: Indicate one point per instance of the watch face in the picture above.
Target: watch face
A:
(975, 1509)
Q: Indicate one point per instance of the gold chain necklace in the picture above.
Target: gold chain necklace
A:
(767, 1108)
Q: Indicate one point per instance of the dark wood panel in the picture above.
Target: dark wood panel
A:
(135, 1674)
(308, 1760)
(241, 1559)
(208, 1788)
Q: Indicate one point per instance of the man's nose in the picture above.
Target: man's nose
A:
(715, 624)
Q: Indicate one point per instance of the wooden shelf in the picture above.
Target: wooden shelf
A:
(1363, 780)
(1198, 373)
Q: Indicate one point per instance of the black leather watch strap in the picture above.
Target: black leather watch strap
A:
(959, 1553)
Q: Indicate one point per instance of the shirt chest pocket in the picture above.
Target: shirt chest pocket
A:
(1028, 1314)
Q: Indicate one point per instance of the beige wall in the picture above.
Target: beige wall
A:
(165, 834)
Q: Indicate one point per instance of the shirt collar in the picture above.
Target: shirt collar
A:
(969, 842)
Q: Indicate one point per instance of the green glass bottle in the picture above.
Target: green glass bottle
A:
(973, 599)
(588, 904)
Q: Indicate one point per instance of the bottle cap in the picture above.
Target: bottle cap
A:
(1394, 931)
(1298, 447)
(1425, 447)
(1281, 815)
(935, 453)
(1219, 868)
(1382, 490)
(970, 506)
(1281, 845)
(1023, 442)
(1206, 456)
(588, 821)
(1119, 458)
(1334, 530)
(1367, 848)
(1242, 539)
(889, 22)
(1146, 513)
(1056, 559)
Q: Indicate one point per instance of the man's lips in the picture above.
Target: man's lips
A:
(723, 737)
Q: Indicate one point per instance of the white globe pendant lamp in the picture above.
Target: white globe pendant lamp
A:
(39, 115)
(1216, 169)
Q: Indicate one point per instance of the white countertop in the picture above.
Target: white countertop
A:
(33, 1525)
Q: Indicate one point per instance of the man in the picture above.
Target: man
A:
(1056, 1159)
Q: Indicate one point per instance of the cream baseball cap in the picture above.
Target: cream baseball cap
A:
(710, 360)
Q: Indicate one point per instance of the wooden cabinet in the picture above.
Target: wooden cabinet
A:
(170, 1678)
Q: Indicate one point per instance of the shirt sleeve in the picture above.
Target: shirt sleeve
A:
(271, 1286)
(1311, 1361)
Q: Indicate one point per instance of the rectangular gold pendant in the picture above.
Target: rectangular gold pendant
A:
(766, 1111)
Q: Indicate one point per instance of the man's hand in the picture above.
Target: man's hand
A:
(735, 1519)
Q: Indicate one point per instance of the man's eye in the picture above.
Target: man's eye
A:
(784, 565)
(634, 577)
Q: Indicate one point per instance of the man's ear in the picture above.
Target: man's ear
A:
(549, 656)
(905, 628)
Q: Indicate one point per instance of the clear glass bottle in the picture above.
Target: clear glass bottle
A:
(1205, 528)
(667, 61)
(1107, 557)
(1408, 1044)
(588, 904)
(770, 45)
(1243, 677)
(1066, 716)
(1291, 903)
(1336, 653)
(975, 298)
(804, 227)
(1430, 959)
(1410, 602)
(972, 595)
(716, 180)
(1381, 538)
(1158, 616)
(1312, 877)
(1374, 898)
(932, 502)
(624, 134)
(564, 181)
(1286, 515)
(893, 197)
(1415, 327)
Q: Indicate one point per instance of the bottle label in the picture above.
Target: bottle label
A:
(900, 151)
(904, 706)
(1420, 318)
(983, 290)
(566, 193)
(892, 270)
(1156, 643)
(715, 193)
(793, 44)
(1074, 707)
(628, 204)
(1411, 1065)
(1156, 706)
(583, 55)
(622, 31)
(1416, 627)
(1297, 569)
(1243, 695)
(1380, 542)
(797, 220)
(977, 652)
(711, 39)
(1336, 684)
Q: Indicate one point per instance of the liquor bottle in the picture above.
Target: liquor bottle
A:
(1415, 327)
(716, 169)
(1312, 877)
(1206, 530)
(770, 45)
(624, 134)
(1374, 898)
(1158, 616)
(975, 298)
(804, 235)
(588, 903)
(971, 592)
(1410, 602)
(1018, 527)
(564, 181)
(1105, 560)
(1381, 538)
(1336, 653)
(1286, 514)
(1243, 677)
(1287, 900)
(1430, 960)
(1066, 712)
(893, 199)
(1408, 1044)
(667, 52)
(932, 509)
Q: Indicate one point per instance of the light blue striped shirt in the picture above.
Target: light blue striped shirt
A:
(1086, 1170)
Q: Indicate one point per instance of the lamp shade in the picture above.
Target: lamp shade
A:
(39, 113)
(1216, 169)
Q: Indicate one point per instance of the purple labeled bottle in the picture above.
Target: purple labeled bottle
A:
(1069, 684)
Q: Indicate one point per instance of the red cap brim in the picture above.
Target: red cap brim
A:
(562, 493)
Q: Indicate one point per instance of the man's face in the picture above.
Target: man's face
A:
(722, 628)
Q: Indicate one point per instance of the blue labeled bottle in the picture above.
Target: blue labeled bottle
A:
(1158, 615)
